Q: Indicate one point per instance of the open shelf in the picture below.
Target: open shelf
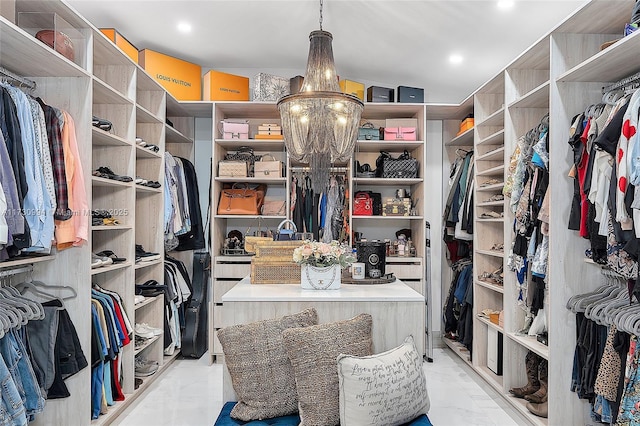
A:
(490, 377)
(463, 139)
(174, 136)
(26, 260)
(493, 171)
(520, 404)
(494, 155)
(110, 268)
(387, 217)
(494, 253)
(111, 227)
(280, 180)
(531, 343)
(104, 138)
(99, 181)
(386, 182)
(495, 119)
(496, 138)
(142, 265)
(142, 152)
(459, 349)
(495, 287)
(148, 189)
(147, 301)
(105, 94)
(258, 145)
(490, 187)
(146, 344)
(489, 324)
(536, 98)
(143, 115)
(391, 146)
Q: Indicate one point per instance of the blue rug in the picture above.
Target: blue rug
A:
(224, 419)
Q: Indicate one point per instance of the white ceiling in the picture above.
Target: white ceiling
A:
(378, 42)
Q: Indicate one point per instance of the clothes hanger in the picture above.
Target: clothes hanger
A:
(573, 300)
(37, 308)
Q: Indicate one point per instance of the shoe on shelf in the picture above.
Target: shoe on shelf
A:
(145, 368)
(137, 382)
(140, 141)
(139, 342)
(98, 261)
(107, 173)
(138, 298)
(145, 256)
(140, 181)
(144, 327)
(144, 332)
(111, 255)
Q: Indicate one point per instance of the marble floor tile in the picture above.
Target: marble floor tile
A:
(190, 394)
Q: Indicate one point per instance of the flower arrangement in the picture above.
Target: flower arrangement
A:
(319, 254)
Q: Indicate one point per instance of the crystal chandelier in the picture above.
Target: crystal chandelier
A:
(320, 123)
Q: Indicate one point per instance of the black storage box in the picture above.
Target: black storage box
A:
(295, 84)
(379, 94)
(413, 95)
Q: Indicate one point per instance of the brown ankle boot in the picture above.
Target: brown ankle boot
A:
(541, 395)
(532, 362)
(540, 410)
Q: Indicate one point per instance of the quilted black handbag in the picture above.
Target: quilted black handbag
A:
(403, 167)
(244, 153)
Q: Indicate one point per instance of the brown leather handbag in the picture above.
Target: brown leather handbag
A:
(241, 200)
(58, 41)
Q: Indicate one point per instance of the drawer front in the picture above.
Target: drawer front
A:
(218, 316)
(220, 287)
(402, 271)
(231, 270)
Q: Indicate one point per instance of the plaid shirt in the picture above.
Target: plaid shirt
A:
(54, 133)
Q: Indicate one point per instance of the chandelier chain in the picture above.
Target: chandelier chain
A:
(321, 1)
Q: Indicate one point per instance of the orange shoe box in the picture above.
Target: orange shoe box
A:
(465, 125)
(181, 78)
(121, 42)
(220, 86)
(352, 88)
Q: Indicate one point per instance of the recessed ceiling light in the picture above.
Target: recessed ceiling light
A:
(456, 59)
(184, 27)
(505, 4)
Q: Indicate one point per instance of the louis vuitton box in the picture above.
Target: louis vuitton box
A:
(221, 86)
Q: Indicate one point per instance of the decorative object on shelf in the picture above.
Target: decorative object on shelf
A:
(403, 167)
(320, 124)
(273, 263)
(374, 255)
(220, 86)
(466, 124)
(268, 167)
(234, 129)
(181, 78)
(269, 88)
(368, 132)
(58, 41)
(322, 264)
(357, 271)
(251, 239)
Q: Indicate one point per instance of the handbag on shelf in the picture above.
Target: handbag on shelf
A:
(244, 153)
(232, 168)
(234, 129)
(274, 208)
(399, 133)
(58, 41)
(268, 167)
(403, 167)
(284, 234)
(362, 204)
(368, 132)
(240, 200)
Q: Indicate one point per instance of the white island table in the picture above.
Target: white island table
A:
(397, 310)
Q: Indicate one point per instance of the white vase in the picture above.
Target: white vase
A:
(320, 278)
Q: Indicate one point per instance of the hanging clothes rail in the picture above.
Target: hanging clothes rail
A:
(15, 271)
(635, 78)
(331, 169)
(15, 77)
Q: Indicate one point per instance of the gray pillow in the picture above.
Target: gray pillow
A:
(261, 373)
(313, 352)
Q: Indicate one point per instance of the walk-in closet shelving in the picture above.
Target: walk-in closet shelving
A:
(488, 230)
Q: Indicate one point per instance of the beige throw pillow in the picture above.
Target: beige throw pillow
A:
(313, 352)
(387, 389)
(260, 370)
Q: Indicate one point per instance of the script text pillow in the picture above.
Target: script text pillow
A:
(313, 352)
(387, 389)
(259, 367)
